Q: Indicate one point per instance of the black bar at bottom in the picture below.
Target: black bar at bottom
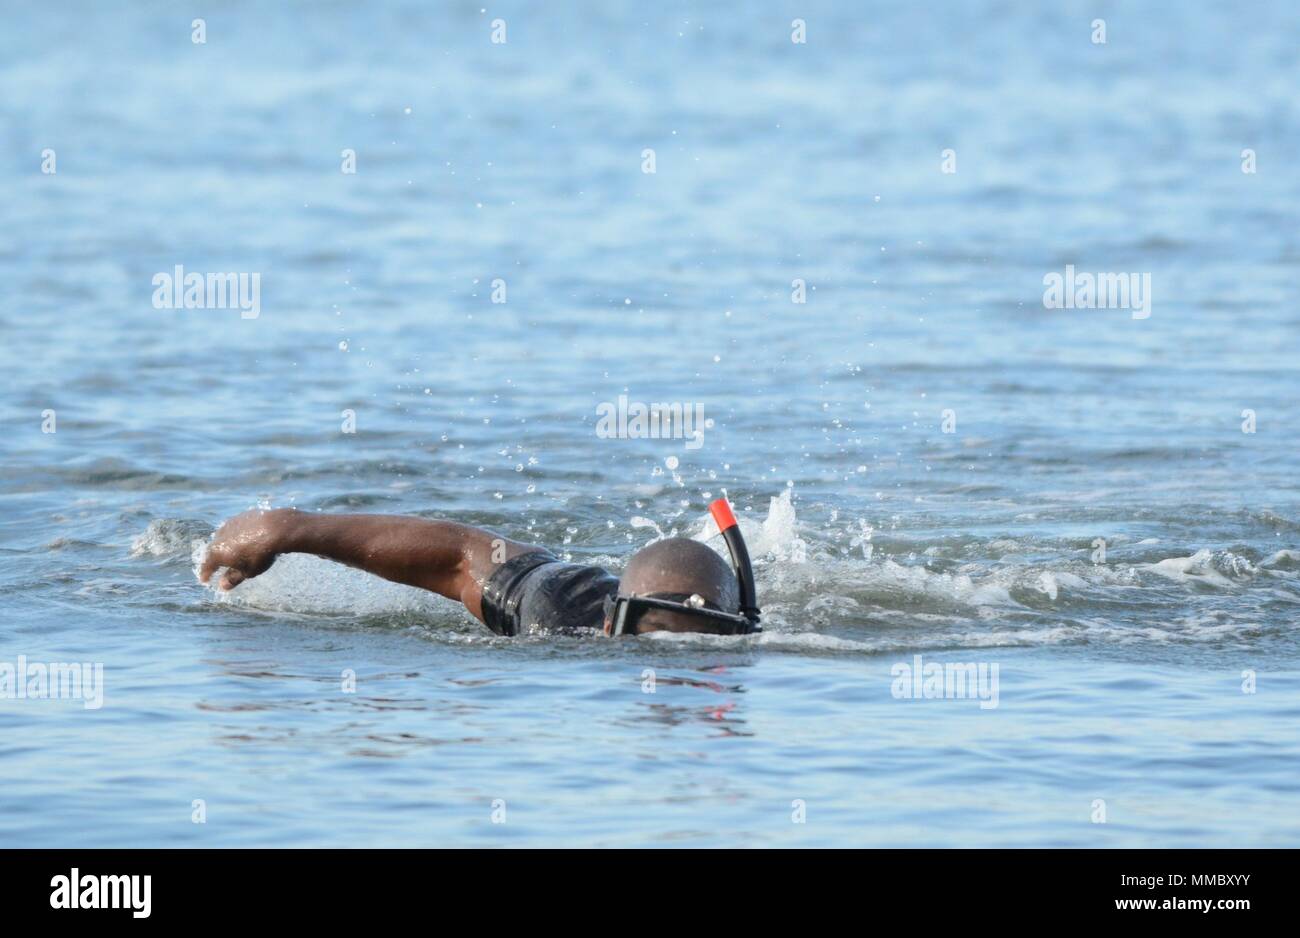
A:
(341, 887)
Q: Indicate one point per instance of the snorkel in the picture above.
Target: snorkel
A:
(740, 562)
(623, 611)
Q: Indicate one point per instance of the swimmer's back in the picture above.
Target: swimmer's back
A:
(536, 590)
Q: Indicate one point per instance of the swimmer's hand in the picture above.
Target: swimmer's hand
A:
(247, 545)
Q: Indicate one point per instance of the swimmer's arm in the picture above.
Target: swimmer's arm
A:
(447, 558)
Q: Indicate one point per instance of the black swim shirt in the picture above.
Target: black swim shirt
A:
(538, 590)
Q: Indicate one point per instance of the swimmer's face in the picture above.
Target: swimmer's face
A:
(662, 620)
(665, 620)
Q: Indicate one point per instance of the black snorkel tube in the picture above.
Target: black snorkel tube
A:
(740, 562)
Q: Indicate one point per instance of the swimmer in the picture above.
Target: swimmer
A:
(673, 585)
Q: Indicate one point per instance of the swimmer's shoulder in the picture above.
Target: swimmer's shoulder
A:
(538, 590)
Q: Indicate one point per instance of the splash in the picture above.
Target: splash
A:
(306, 584)
(169, 538)
(1221, 569)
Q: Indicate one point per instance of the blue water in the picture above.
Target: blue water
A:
(878, 535)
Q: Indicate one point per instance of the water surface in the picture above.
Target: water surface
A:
(878, 535)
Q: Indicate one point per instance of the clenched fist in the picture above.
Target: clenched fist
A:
(247, 545)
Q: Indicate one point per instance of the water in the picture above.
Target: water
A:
(878, 536)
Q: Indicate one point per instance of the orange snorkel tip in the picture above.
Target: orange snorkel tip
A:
(722, 514)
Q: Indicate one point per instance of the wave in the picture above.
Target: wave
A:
(170, 538)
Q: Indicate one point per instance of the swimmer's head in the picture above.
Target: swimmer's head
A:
(680, 566)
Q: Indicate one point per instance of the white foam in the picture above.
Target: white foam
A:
(1220, 569)
(307, 584)
(169, 538)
